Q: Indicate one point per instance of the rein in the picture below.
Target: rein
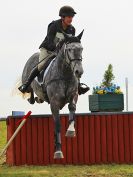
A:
(68, 63)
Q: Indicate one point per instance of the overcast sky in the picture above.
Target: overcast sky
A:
(108, 38)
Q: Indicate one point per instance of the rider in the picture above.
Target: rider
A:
(54, 35)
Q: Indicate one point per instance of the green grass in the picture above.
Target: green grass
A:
(60, 170)
(3, 136)
(68, 171)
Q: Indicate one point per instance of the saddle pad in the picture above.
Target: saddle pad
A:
(45, 73)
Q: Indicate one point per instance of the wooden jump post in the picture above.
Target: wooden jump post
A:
(15, 133)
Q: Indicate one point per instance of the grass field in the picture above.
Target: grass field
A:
(60, 170)
(2, 138)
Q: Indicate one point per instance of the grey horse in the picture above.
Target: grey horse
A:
(60, 85)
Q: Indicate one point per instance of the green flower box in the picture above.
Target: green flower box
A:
(106, 102)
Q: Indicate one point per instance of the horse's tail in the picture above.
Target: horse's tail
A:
(15, 90)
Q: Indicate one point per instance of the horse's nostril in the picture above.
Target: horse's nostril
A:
(76, 72)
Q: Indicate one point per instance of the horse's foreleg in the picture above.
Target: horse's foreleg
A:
(55, 111)
(31, 100)
(71, 130)
(72, 108)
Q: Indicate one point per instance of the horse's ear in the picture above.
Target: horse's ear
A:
(80, 35)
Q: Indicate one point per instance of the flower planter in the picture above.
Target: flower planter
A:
(106, 102)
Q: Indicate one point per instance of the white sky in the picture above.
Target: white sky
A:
(108, 38)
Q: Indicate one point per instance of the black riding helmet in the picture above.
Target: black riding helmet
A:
(66, 11)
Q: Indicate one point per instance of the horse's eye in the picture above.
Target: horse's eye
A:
(69, 50)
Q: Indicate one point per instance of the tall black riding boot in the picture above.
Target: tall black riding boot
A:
(81, 89)
(32, 75)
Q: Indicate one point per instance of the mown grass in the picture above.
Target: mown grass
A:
(60, 170)
(3, 135)
(68, 171)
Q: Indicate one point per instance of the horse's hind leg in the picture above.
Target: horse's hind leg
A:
(31, 100)
(55, 111)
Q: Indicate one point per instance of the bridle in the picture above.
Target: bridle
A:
(68, 59)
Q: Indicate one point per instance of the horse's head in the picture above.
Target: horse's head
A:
(73, 53)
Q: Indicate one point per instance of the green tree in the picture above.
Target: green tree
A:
(108, 77)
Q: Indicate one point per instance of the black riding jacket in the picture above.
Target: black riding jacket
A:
(54, 30)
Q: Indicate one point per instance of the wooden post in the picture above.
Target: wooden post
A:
(15, 133)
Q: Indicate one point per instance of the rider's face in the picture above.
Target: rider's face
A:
(68, 20)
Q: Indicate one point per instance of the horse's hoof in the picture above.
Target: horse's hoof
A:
(38, 100)
(70, 133)
(58, 155)
(31, 101)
